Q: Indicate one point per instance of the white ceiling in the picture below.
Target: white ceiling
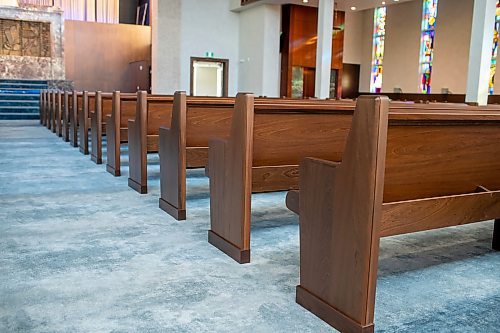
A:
(339, 4)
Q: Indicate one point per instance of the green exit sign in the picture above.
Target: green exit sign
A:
(209, 54)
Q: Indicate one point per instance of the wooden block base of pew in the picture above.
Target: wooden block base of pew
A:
(328, 313)
(241, 256)
(142, 189)
(95, 159)
(178, 214)
(113, 171)
(496, 236)
(84, 151)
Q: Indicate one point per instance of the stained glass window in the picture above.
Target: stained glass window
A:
(494, 51)
(378, 49)
(427, 43)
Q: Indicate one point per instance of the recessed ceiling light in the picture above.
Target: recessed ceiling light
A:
(383, 3)
(396, 0)
(305, 1)
(353, 8)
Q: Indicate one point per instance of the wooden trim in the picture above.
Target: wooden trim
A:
(66, 116)
(225, 71)
(73, 120)
(83, 127)
(433, 213)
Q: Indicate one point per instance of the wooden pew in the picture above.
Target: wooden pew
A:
(67, 100)
(152, 112)
(195, 120)
(102, 109)
(88, 105)
(123, 109)
(42, 107)
(263, 151)
(74, 111)
(58, 112)
(401, 172)
(52, 111)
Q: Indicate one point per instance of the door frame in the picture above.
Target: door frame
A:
(225, 73)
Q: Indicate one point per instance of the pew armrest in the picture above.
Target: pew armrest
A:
(292, 201)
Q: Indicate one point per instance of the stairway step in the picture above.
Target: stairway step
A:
(4, 96)
(23, 81)
(18, 116)
(17, 101)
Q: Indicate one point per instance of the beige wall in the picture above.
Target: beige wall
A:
(402, 47)
(353, 33)
(451, 46)
(98, 54)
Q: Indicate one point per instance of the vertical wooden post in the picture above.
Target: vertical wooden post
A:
(113, 137)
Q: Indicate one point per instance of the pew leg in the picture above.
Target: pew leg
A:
(496, 236)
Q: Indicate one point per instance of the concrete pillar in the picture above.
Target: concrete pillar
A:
(483, 24)
(324, 49)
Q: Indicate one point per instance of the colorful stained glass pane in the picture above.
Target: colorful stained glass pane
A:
(429, 17)
(378, 49)
(494, 51)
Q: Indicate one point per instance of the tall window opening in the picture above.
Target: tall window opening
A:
(429, 17)
(378, 49)
(494, 51)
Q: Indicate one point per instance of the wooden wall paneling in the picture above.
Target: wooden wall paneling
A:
(97, 55)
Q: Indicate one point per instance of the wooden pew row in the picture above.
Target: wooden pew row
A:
(400, 172)
(42, 107)
(265, 147)
(262, 153)
(196, 120)
(98, 117)
(123, 109)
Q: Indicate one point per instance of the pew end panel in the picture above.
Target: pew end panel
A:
(113, 125)
(65, 115)
(83, 116)
(59, 109)
(230, 176)
(172, 151)
(152, 112)
(422, 171)
(96, 130)
(73, 118)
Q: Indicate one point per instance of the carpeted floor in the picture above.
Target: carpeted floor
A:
(82, 252)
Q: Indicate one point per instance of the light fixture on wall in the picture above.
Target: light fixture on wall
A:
(353, 8)
(305, 1)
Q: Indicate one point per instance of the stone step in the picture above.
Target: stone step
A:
(45, 82)
(17, 109)
(17, 97)
(18, 116)
(19, 102)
